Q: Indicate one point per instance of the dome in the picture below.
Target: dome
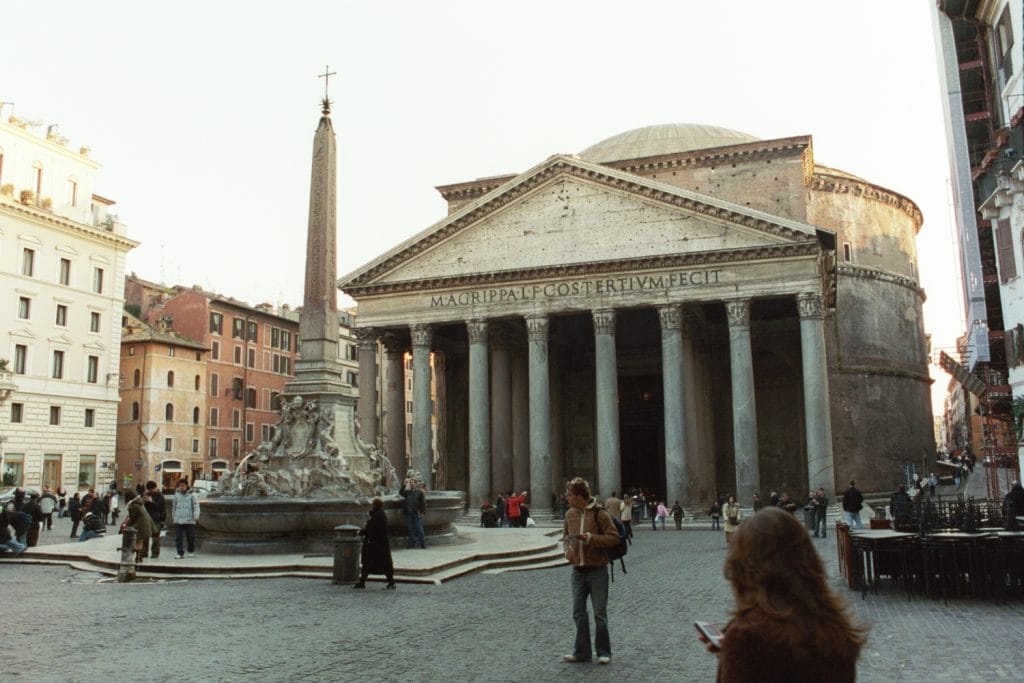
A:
(669, 138)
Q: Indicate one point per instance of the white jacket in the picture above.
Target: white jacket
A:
(186, 507)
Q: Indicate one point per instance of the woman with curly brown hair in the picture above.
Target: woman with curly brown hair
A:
(788, 624)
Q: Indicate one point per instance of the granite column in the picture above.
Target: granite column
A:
(367, 339)
(422, 431)
(818, 421)
(674, 406)
(479, 415)
(540, 499)
(744, 409)
(394, 404)
(607, 382)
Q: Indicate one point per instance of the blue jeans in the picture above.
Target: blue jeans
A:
(853, 519)
(820, 522)
(414, 526)
(13, 546)
(595, 584)
(183, 532)
(87, 534)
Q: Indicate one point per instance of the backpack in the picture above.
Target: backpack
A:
(618, 552)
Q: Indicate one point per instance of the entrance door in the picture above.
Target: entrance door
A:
(642, 459)
(51, 470)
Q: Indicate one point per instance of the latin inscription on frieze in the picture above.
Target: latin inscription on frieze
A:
(574, 288)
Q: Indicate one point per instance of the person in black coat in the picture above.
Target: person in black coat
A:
(901, 506)
(1013, 505)
(376, 555)
(75, 512)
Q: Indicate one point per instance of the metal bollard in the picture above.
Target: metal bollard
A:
(126, 569)
(347, 549)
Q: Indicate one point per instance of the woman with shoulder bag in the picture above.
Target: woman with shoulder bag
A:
(731, 510)
(376, 554)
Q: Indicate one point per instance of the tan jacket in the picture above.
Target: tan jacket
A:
(593, 520)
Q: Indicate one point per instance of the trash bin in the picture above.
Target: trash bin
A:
(347, 547)
(809, 517)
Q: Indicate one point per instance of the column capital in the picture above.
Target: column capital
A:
(422, 334)
(366, 337)
(671, 316)
(738, 312)
(394, 345)
(810, 305)
(537, 327)
(477, 331)
(604, 321)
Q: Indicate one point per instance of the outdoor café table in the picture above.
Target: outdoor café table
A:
(865, 546)
(944, 545)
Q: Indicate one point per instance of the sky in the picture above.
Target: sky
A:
(202, 113)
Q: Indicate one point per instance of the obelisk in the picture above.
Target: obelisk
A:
(318, 374)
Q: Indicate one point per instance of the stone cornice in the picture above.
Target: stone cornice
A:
(760, 149)
(824, 181)
(473, 188)
(564, 271)
(564, 166)
(40, 216)
(879, 275)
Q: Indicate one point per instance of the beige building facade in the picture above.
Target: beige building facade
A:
(682, 309)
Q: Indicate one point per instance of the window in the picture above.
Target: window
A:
(353, 378)
(97, 280)
(408, 406)
(169, 412)
(168, 444)
(252, 331)
(94, 321)
(38, 169)
(236, 418)
(14, 468)
(170, 351)
(195, 445)
(250, 398)
(215, 350)
(237, 328)
(216, 323)
(72, 192)
(214, 415)
(286, 340)
(238, 355)
(250, 358)
(274, 396)
(195, 415)
(65, 271)
(20, 358)
(214, 384)
(276, 365)
(275, 337)
(1004, 249)
(265, 433)
(86, 471)
(197, 382)
(170, 378)
(286, 365)
(28, 262)
(92, 369)
(250, 432)
(135, 411)
(55, 415)
(213, 447)
(58, 365)
(17, 412)
(1004, 41)
(131, 350)
(236, 387)
(90, 417)
(24, 307)
(62, 316)
(236, 448)
(136, 377)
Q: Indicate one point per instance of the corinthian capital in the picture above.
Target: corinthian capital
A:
(738, 312)
(477, 331)
(604, 321)
(670, 317)
(422, 335)
(809, 305)
(367, 338)
(537, 327)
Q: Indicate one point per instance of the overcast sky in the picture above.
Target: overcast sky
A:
(202, 113)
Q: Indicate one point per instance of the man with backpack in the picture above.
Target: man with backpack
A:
(588, 533)
(157, 509)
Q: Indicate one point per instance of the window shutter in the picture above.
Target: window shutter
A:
(1010, 345)
(1004, 245)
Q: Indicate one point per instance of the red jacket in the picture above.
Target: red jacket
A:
(513, 505)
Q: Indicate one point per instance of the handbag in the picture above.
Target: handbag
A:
(733, 520)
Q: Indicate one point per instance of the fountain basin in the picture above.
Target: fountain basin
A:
(269, 525)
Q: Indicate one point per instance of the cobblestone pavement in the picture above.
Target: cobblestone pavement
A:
(509, 627)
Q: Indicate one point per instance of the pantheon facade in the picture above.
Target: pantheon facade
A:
(683, 309)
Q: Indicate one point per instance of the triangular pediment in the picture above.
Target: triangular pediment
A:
(23, 333)
(61, 339)
(566, 211)
(94, 345)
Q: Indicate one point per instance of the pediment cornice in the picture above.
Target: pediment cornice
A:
(807, 248)
(571, 167)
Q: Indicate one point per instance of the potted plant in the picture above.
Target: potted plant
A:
(27, 196)
(46, 203)
(7, 189)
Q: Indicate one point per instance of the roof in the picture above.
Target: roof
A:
(668, 138)
(137, 331)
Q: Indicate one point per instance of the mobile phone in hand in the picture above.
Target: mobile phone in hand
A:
(711, 632)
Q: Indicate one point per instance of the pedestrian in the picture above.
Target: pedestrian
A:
(21, 521)
(626, 516)
(758, 503)
(853, 499)
(62, 501)
(500, 508)
(731, 511)
(677, 515)
(956, 477)
(48, 504)
(488, 515)
(415, 508)
(115, 510)
(820, 501)
(157, 509)
(1013, 506)
(901, 508)
(87, 501)
(185, 514)
(8, 544)
(788, 624)
(933, 481)
(715, 512)
(33, 509)
(145, 528)
(661, 513)
(92, 526)
(376, 553)
(614, 506)
(563, 506)
(587, 533)
(75, 512)
(515, 511)
(101, 506)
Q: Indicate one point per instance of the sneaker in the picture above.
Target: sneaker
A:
(179, 557)
(573, 659)
(191, 554)
(604, 659)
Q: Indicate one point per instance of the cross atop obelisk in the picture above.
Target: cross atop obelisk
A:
(326, 75)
